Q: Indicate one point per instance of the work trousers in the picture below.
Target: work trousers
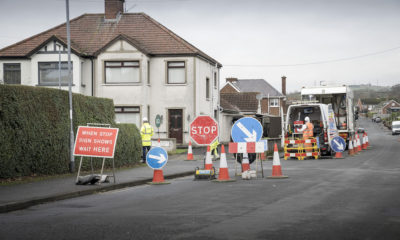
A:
(145, 149)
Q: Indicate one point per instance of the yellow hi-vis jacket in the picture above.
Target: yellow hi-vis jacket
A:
(214, 145)
(146, 132)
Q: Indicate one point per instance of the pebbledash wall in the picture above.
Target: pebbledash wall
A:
(150, 96)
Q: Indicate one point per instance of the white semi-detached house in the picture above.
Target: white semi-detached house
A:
(144, 67)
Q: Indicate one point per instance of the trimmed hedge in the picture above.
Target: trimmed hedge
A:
(35, 128)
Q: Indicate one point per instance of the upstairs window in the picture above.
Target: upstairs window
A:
(12, 73)
(49, 73)
(122, 72)
(274, 102)
(176, 73)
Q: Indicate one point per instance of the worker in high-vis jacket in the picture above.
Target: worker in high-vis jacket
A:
(146, 132)
(308, 132)
(214, 149)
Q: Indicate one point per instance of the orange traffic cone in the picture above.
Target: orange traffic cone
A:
(366, 135)
(358, 143)
(158, 177)
(338, 155)
(351, 150)
(208, 164)
(355, 148)
(245, 162)
(190, 152)
(223, 168)
(364, 144)
(276, 165)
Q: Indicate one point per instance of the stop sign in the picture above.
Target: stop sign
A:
(204, 130)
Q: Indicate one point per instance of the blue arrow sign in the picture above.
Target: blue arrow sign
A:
(157, 158)
(247, 129)
(338, 144)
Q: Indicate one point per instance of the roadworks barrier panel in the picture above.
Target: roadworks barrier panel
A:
(301, 148)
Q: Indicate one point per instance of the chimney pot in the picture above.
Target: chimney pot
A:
(112, 8)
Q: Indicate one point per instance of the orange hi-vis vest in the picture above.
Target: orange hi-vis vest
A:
(308, 132)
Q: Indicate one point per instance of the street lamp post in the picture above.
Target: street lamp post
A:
(71, 140)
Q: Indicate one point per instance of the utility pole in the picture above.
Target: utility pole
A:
(71, 139)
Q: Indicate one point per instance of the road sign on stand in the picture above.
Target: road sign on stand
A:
(204, 130)
(338, 144)
(157, 157)
(247, 129)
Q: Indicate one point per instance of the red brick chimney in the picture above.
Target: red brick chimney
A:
(231, 79)
(284, 85)
(112, 8)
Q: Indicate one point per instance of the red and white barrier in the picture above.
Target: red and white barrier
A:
(250, 147)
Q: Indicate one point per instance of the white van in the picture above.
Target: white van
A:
(322, 117)
(395, 127)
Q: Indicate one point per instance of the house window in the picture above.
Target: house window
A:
(207, 88)
(49, 73)
(127, 114)
(12, 73)
(215, 80)
(122, 72)
(274, 102)
(176, 72)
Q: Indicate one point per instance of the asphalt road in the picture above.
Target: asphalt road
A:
(353, 198)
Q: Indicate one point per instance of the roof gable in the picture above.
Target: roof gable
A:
(90, 33)
(257, 85)
(245, 102)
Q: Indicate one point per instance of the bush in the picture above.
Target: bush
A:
(35, 130)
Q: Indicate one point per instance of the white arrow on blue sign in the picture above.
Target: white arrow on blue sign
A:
(247, 129)
(338, 144)
(156, 158)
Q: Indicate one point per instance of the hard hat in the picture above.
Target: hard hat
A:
(145, 119)
(307, 119)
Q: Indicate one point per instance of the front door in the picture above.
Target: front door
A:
(175, 128)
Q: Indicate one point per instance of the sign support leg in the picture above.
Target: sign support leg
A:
(262, 169)
(114, 171)
(236, 165)
(79, 171)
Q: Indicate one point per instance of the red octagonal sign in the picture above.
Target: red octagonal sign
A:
(204, 130)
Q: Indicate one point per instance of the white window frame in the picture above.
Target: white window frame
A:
(175, 67)
(123, 64)
(64, 70)
(274, 102)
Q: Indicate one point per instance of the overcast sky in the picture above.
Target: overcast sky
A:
(308, 41)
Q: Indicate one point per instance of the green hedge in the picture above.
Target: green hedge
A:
(35, 127)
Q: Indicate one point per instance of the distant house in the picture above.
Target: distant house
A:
(272, 101)
(143, 66)
(254, 98)
(390, 106)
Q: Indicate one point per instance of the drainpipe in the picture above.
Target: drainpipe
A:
(91, 60)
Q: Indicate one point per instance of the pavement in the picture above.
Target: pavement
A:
(19, 196)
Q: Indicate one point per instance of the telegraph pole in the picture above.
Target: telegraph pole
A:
(71, 140)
